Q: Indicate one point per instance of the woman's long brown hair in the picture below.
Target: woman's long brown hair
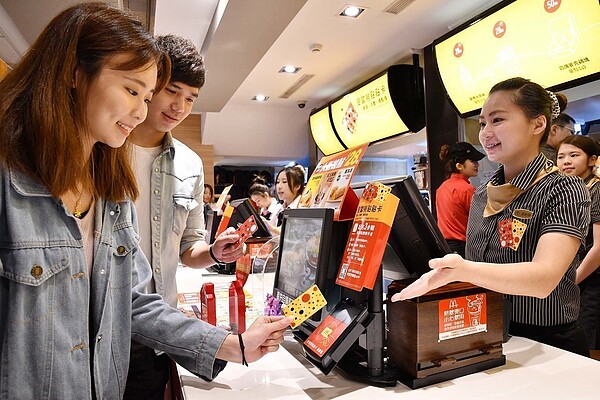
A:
(42, 116)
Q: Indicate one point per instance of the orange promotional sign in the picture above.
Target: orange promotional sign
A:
(329, 183)
(462, 316)
(368, 237)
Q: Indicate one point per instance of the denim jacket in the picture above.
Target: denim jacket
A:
(65, 334)
(177, 222)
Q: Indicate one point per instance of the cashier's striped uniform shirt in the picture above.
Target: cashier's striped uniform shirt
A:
(557, 203)
(595, 211)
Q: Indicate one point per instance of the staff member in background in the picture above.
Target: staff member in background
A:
(562, 127)
(453, 197)
(72, 277)
(526, 225)
(289, 186)
(577, 156)
(269, 206)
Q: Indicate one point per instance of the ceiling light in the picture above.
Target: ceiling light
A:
(290, 69)
(260, 97)
(351, 11)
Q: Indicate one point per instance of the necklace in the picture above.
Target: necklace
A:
(76, 212)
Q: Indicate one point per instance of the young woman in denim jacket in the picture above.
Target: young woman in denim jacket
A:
(72, 277)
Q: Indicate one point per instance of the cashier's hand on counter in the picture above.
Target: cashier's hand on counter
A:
(264, 336)
(224, 247)
(442, 272)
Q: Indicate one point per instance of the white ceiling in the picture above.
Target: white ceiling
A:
(245, 43)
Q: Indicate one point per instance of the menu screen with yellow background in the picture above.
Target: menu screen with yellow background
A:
(323, 134)
(550, 42)
(367, 114)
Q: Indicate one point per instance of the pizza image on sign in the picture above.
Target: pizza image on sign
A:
(350, 118)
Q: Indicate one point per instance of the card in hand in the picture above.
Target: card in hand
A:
(305, 305)
(246, 230)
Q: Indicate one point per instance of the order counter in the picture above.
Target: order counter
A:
(532, 371)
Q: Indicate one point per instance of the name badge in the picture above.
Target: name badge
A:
(522, 214)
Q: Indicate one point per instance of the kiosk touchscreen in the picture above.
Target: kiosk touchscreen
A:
(310, 250)
(243, 209)
(415, 236)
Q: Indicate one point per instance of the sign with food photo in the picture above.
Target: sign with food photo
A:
(329, 183)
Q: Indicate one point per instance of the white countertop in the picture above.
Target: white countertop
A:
(532, 371)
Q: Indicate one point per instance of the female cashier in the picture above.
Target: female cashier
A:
(269, 206)
(526, 226)
(453, 197)
(289, 185)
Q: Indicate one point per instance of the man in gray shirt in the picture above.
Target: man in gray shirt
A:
(170, 178)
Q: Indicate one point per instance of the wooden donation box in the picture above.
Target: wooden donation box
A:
(451, 331)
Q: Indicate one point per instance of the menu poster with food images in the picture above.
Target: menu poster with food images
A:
(329, 183)
(368, 237)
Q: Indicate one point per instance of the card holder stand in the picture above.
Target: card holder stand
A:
(360, 355)
(342, 344)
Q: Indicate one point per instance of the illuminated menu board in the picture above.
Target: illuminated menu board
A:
(323, 134)
(551, 42)
(367, 114)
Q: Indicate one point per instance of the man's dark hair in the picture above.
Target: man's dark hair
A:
(563, 119)
(187, 65)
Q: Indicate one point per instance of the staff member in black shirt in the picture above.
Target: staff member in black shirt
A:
(525, 225)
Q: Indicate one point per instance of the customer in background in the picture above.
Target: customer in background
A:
(170, 205)
(577, 156)
(269, 206)
(526, 225)
(562, 127)
(453, 197)
(289, 186)
(208, 198)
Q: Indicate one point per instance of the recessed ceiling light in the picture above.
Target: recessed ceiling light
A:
(260, 97)
(290, 69)
(351, 11)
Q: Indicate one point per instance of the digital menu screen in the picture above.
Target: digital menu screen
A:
(323, 134)
(300, 250)
(551, 42)
(367, 114)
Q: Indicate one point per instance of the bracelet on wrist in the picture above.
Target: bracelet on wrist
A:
(212, 255)
(242, 348)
